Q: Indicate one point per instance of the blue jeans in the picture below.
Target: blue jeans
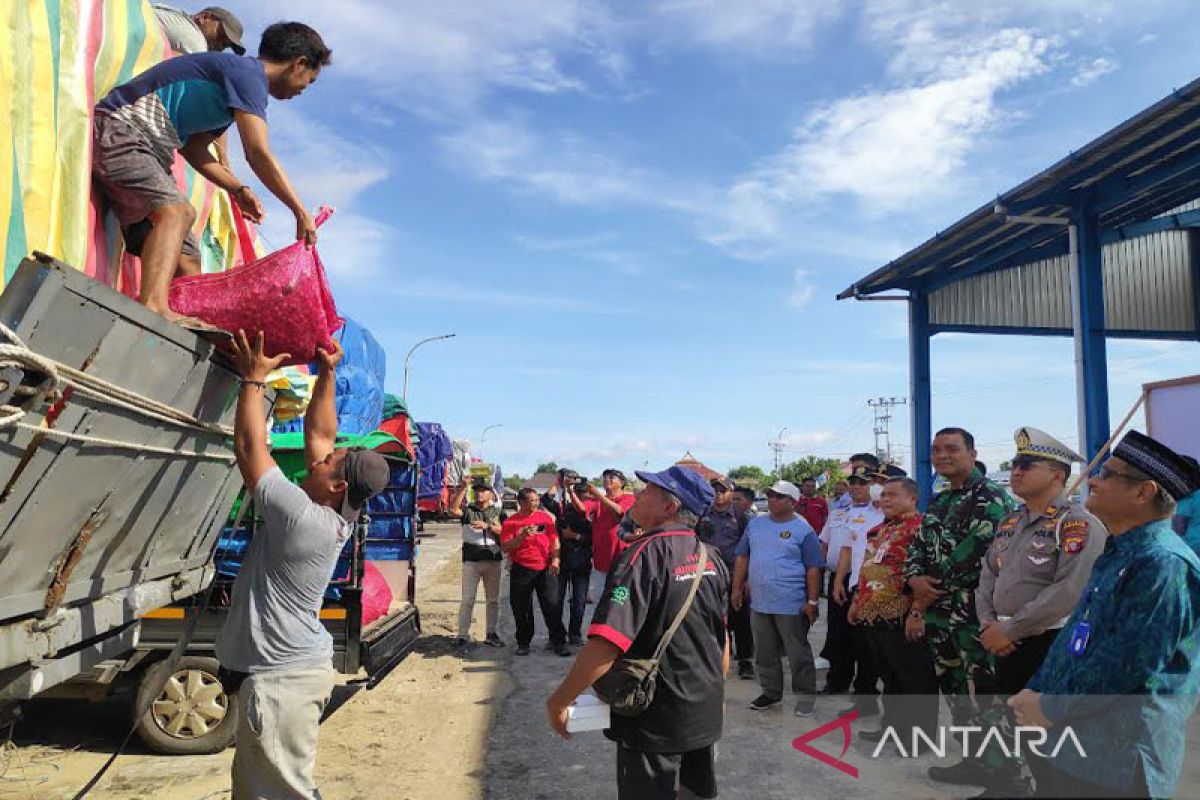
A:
(577, 581)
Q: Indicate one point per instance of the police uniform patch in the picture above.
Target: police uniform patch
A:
(785, 534)
(1009, 524)
(1074, 535)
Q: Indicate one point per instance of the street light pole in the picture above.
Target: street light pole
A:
(483, 435)
(408, 358)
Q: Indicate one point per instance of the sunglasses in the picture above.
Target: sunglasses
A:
(1027, 462)
(1107, 472)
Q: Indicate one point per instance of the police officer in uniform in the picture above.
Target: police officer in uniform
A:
(1033, 572)
(1039, 562)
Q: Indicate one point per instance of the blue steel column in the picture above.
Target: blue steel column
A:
(1094, 347)
(918, 365)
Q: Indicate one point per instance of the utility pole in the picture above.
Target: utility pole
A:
(778, 446)
(883, 419)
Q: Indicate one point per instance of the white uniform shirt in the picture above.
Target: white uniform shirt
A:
(848, 527)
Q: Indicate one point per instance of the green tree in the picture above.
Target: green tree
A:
(548, 466)
(749, 475)
(514, 482)
(812, 467)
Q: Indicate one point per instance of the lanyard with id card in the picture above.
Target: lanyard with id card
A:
(1081, 631)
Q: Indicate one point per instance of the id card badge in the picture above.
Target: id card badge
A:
(1079, 637)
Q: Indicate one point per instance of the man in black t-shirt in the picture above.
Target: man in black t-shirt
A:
(573, 512)
(671, 744)
(482, 559)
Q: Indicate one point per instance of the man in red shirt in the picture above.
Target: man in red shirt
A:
(812, 506)
(611, 505)
(530, 541)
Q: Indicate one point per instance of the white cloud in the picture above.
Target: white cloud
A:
(803, 290)
(748, 25)
(436, 56)
(1094, 71)
(886, 149)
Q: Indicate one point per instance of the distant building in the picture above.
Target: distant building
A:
(689, 461)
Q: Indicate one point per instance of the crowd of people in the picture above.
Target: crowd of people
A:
(1022, 609)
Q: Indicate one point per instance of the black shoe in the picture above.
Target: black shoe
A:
(522, 649)
(494, 640)
(578, 641)
(745, 670)
(969, 773)
(562, 650)
(872, 736)
(1009, 786)
(864, 710)
(763, 702)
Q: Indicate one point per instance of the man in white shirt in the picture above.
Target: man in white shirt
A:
(844, 540)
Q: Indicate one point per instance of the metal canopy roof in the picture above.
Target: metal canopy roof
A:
(1144, 167)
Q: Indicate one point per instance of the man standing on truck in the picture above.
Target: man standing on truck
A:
(184, 104)
(273, 640)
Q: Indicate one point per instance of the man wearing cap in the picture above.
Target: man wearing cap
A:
(481, 559)
(812, 506)
(184, 104)
(671, 744)
(1124, 674)
(213, 30)
(778, 573)
(612, 503)
(273, 643)
(942, 570)
(722, 528)
(1033, 574)
(845, 541)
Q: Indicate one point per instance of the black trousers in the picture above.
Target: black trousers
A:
(738, 623)
(846, 650)
(659, 776)
(523, 583)
(910, 689)
(1015, 670)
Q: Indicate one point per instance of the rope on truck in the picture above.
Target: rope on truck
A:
(56, 376)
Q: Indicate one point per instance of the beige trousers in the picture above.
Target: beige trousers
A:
(277, 734)
(472, 573)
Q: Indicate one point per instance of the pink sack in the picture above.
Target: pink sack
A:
(284, 294)
(376, 594)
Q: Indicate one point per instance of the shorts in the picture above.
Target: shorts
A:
(133, 180)
(650, 776)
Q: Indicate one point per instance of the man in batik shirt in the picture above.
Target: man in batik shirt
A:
(879, 606)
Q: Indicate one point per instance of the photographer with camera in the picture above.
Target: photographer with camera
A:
(568, 500)
(530, 541)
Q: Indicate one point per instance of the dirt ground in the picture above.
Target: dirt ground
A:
(446, 726)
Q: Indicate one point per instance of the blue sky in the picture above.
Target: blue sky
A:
(636, 216)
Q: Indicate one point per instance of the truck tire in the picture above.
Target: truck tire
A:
(192, 715)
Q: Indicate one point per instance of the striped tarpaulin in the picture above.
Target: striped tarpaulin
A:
(57, 57)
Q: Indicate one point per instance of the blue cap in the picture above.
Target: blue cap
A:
(688, 485)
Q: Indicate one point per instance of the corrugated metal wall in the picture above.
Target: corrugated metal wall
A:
(1148, 286)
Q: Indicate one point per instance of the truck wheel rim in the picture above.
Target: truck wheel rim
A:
(192, 704)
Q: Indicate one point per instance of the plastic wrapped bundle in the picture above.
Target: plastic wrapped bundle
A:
(360, 376)
(285, 295)
(376, 594)
(433, 454)
(390, 534)
(460, 464)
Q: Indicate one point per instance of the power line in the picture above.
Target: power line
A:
(882, 429)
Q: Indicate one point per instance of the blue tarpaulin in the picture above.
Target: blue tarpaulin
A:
(433, 454)
(358, 391)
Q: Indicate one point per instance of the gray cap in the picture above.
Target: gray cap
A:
(367, 474)
(231, 25)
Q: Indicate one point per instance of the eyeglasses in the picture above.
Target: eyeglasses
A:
(1026, 462)
(1107, 472)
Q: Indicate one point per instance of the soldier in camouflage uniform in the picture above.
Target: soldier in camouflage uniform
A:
(942, 571)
